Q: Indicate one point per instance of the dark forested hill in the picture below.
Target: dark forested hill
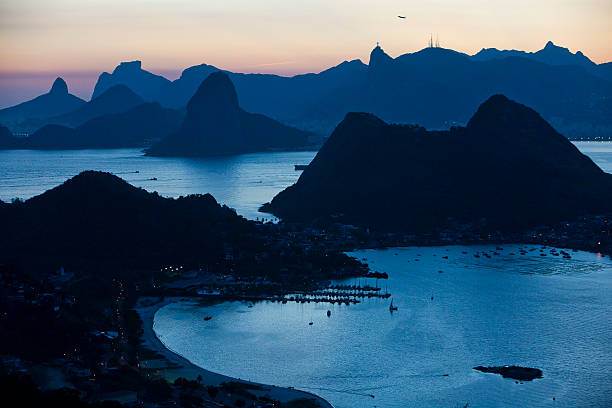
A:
(507, 169)
(97, 221)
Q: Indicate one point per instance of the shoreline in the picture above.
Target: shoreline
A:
(182, 367)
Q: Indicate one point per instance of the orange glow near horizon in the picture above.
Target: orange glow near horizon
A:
(56, 37)
(280, 36)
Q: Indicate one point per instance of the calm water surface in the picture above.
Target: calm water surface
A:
(530, 310)
(599, 152)
(545, 312)
(242, 182)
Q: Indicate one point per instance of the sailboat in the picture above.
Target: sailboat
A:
(391, 307)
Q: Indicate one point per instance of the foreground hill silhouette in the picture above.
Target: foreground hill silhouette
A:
(216, 125)
(98, 221)
(56, 102)
(507, 169)
(137, 127)
(567, 89)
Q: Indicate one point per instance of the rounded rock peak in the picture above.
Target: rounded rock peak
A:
(216, 89)
(550, 44)
(59, 86)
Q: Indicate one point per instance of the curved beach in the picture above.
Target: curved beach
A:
(179, 366)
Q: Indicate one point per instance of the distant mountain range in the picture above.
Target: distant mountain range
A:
(56, 102)
(216, 125)
(507, 169)
(435, 87)
(551, 54)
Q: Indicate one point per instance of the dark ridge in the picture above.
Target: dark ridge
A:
(51, 137)
(551, 54)
(117, 99)
(138, 127)
(507, 169)
(98, 221)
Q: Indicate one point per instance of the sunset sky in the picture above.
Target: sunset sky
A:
(76, 39)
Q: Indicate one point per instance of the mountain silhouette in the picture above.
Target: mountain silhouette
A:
(508, 168)
(137, 127)
(131, 74)
(216, 125)
(98, 221)
(435, 87)
(379, 58)
(177, 94)
(287, 99)
(56, 102)
(551, 54)
(439, 88)
(59, 87)
(117, 99)
(605, 70)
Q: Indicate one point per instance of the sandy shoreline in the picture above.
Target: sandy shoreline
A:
(181, 367)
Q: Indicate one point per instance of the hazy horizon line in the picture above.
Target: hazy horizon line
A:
(82, 82)
(172, 71)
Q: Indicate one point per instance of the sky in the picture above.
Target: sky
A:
(79, 39)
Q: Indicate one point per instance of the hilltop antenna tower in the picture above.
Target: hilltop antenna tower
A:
(431, 43)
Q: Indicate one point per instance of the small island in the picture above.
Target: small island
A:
(514, 372)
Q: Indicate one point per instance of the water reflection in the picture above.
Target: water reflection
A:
(547, 312)
(242, 182)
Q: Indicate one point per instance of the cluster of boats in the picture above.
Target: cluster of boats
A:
(524, 251)
(322, 299)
